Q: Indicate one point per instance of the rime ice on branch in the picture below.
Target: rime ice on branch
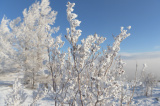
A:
(92, 71)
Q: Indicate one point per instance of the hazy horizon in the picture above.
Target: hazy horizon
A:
(152, 59)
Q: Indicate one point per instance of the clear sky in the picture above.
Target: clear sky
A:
(105, 17)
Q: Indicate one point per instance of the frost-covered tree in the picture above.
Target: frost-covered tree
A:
(7, 52)
(33, 38)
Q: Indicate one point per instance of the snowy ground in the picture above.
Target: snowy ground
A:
(6, 82)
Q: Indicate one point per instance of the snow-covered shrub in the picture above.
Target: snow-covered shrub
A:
(86, 78)
(40, 93)
(144, 83)
(149, 82)
(84, 75)
(17, 97)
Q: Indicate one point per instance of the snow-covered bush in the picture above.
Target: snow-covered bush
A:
(150, 81)
(17, 97)
(40, 93)
(86, 78)
(146, 82)
(143, 84)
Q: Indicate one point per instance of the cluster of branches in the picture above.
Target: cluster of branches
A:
(145, 82)
(81, 76)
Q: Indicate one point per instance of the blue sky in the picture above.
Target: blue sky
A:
(105, 17)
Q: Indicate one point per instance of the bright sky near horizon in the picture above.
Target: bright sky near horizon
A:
(105, 17)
